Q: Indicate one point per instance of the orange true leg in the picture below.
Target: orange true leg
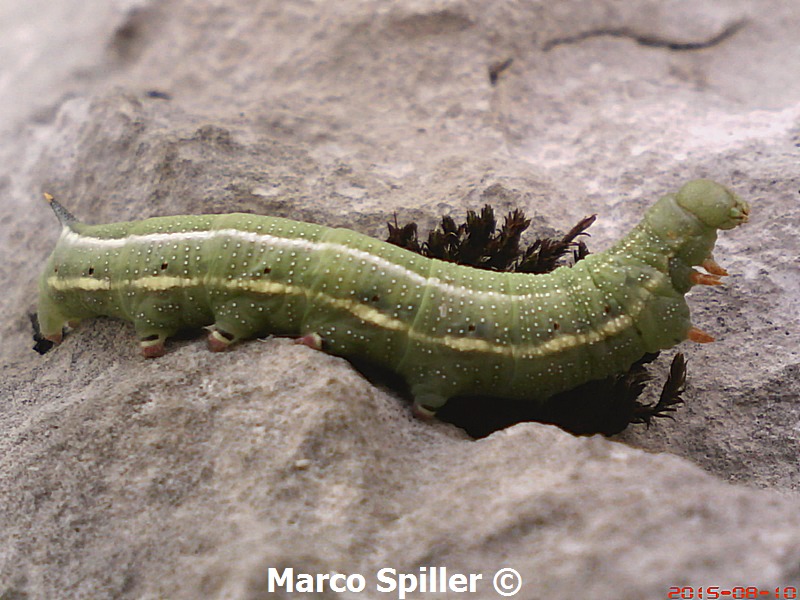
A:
(713, 267)
(699, 336)
(703, 279)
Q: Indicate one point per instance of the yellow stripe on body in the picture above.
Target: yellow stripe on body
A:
(84, 284)
(368, 314)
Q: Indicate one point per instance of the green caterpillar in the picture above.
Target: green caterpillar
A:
(448, 329)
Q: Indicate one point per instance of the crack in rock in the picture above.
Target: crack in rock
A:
(652, 41)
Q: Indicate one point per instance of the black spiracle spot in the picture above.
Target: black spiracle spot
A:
(164, 266)
(267, 270)
(556, 326)
(91, 270)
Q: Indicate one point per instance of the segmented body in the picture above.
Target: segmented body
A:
(447, 329)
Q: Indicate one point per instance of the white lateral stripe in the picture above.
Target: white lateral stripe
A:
(397, 271)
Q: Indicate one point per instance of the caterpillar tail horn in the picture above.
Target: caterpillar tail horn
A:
(66, 218)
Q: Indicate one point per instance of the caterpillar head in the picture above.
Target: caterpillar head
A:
(713, 205)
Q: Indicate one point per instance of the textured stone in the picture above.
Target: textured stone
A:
(190, 475)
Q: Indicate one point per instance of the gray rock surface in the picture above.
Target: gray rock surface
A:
(191, 475)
